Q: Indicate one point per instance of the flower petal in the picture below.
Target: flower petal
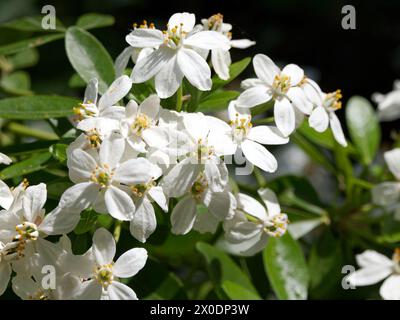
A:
(299, 100)
(183, 215)
(142, 38)
(117, 90)
(104, 247)
(119, 204)
(390, 289)
(143, 221)
(216, 174)
(319, 119)
(5, 274)
(130, 263)
(33, 201)
(270, 201)
(134, 171)
(150, 65)
(265, 68)
(91, 92)
(370, 258)
(59, 221)
(284, 116)
(337, 129)
(259, 156)
(369, 275)
(6, 196)
(242, 43)
(267, 135)
(251, 206)
(392, 159)
(112, 150)
(295, 73)
(79, 197)
(195, 69)
(208, 40)
(221, 60)
(120, 291)
(157, 194)
(183, 20)
(169, 79)
(81, 165)
(253, 96)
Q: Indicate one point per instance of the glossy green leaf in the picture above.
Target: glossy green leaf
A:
(89, 58)
(76, 81)
(29, 43)
(364, 129)
(217, 101)
(22, 168)
(16, 83)
(87, 222)
(33, 24)
(286, 268)
(228, 278)
(95, 20)
(59, 151)
(24, 59)
(235, 70)
(37, 107)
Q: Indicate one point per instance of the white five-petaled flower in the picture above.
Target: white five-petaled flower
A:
(280, 85)
(221, 59)
(100, 180)
(249, 139)
(102, 115)
(248, 231)
(100, 274)
(139, 121)
(208, 140)
(323, 114)
(175, 56)
(376, 267)
(388, 104)
(185, 215)
(388, 193)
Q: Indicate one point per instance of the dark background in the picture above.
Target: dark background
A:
(308, 33)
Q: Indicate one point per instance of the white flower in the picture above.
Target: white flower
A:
(248, 231)
(323, 114)
(249, 139)
(374, 268)
(101, 180)
(185, 215)
(139, 121)
(100, 274)
(221, 59)
(104, 114)
(208, 141)
(175, 56)
(388, 193)
(143, 222)
(388, 104)
(282, 86)
(135, 54)
(5, 159)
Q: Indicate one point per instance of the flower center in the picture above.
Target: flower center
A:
(281, 84)
(85, 110)
(215, 22)
(26, 231)
(204, 151)
(104, 275)
(102, 176)
(277, 226)
(139, 190)
(173, 36)
(94, 138)
(332, 100)
(143, 25)
(199, 186)
(240, 126)
(396, 260)
(141, 123)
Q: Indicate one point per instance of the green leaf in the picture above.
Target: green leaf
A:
(325, 265)
(235, 70)
(228, 278)
(286, 268)
(312, 151)
(29, 43)
(33, 24)
(59, 151)
(87, 222)
(390, 230)
(364, 128)
(89, 58)
(24, 59)
(22, 168)
(94, 20)
(17, 83)
(37, 107)
(217, 101)
(76, 81)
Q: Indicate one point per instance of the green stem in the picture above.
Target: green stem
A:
(290, 199)
(259, 177)
(179, 99)
(29, 132)
(362, 183)
(263, 120)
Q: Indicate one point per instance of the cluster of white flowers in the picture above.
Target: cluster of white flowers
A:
(127, 158)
